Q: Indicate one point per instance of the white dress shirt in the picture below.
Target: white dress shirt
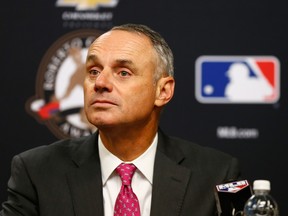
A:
(141, 181)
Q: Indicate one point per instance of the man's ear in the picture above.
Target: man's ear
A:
(165, 90)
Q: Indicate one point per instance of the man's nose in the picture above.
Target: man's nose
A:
(103, 81)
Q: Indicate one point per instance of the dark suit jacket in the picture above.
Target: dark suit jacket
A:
(64, 179)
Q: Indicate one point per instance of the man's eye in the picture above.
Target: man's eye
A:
(94, 72)
(124, 73)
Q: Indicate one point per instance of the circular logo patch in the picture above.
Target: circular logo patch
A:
(59, 98)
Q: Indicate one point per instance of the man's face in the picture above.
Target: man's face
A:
(119, 88)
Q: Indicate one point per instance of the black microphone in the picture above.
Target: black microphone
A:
(231, 197)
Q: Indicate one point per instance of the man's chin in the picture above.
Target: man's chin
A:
(103, 123)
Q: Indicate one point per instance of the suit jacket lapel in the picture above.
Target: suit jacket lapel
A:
(85, 180)
(170, 179)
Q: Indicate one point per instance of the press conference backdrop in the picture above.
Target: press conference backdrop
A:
(231, 62)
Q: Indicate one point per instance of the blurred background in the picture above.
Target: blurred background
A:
(240, 110)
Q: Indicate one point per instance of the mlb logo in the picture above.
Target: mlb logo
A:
(237, 79)
(232, 187)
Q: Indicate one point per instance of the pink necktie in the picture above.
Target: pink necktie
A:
(127, 202)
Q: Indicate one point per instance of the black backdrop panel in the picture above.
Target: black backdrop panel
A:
(255, 132)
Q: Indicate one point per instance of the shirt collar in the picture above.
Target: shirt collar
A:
(144, 163)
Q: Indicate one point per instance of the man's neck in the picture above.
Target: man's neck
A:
(128, 144)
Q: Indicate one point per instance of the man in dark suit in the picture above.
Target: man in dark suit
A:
(128, 81)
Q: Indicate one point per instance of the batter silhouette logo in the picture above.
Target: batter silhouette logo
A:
(237, 79)
(59, 99)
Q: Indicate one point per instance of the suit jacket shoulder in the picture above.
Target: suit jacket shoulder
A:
(63, 178)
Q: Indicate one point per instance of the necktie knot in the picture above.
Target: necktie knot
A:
(126, 172)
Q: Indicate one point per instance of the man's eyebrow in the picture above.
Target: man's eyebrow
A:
(124, 62)
(92, 58)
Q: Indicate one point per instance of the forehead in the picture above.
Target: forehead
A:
(122, 42)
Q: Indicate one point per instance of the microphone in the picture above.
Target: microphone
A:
(231, 197)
